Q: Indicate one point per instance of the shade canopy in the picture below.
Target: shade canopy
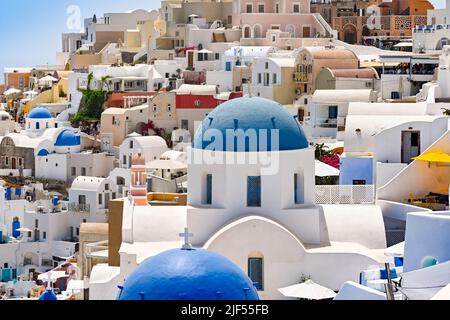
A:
(434, 156)
(24, 229)
(397, 250)
(325, 170)
(308, 290)
(204, 51)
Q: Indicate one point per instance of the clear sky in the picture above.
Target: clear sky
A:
(30, 30)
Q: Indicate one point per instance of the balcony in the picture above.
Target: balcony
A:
(345, 194)
(300, 77)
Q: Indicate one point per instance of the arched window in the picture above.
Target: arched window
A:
(291, 29)
(257, 31)
(256, 270)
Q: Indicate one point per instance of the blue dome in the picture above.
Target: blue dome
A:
(188, 275)
(43, 152)
(48, 295)
(250, 113)
(68, 138)
(39, 113)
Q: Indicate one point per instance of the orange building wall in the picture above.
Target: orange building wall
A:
(13, 80)
(419, 7)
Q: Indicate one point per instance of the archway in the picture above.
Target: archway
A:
(349, 34)
(442, 42)
(291, 29)
(257, 31)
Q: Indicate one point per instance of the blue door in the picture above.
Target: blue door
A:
(228, 66)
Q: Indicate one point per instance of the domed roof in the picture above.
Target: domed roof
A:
(39, 113)
(260, 114)
(188, 275)
(48, 295)
(68, 138)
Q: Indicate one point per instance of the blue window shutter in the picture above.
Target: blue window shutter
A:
(254, 191)
(209, 189)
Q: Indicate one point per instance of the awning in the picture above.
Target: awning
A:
(325, 170)
(24, 230)
(308, 290)
(435, 156)
(403, 44)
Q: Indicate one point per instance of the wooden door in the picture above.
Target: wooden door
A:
(306, 32)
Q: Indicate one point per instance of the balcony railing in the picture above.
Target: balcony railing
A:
(345, 194)
(79, 207)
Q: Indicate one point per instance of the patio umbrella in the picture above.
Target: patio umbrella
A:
(11, 92)
(308, 290)
(24, 230)
(47, 79)
(325, 170)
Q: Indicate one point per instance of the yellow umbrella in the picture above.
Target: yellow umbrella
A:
(434, 157)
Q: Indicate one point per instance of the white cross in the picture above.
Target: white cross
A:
(186, 235)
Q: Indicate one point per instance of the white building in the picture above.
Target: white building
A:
(232, 208)
(151, 147)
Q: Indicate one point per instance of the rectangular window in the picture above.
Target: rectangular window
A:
(249, 8)
(274, 78)
(332, 112)
(255, 272)
(266, 65)
(296, 8)
(209, 189)
(277, 7)
(260, 8)
(73, 171)
(131, 144)
(100, 199)
(6, 160)
(124, 159)
(254, 191)
(83, 171)
(296, 188)
(78, 231)
(259, 77)
(44, 235)
(36, 223)
(106, 186)
(217, 56)
(82, 199)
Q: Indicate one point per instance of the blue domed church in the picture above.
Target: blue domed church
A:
(252, 216)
